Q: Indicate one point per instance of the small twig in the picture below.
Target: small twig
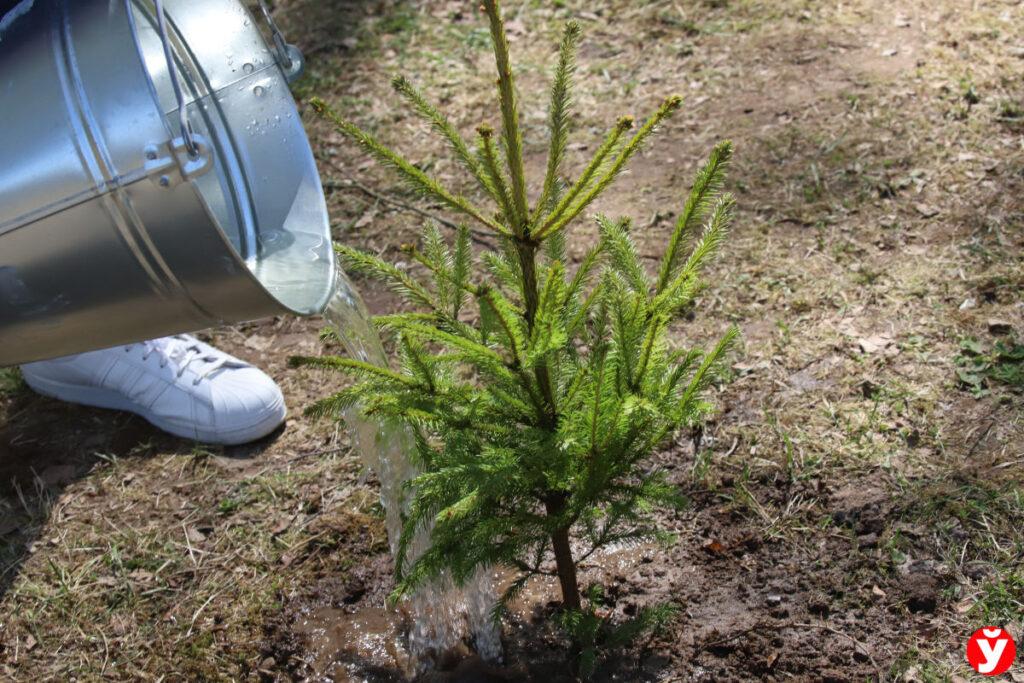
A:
(188, 544)
(734, 636)
(984, 434)
(315, 454)
(199, 611)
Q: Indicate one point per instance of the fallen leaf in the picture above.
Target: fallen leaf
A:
(876, 591)
(194, 535)
(30, 643)
(926, 210)
(141, 576)
(714, 547)
(258, 342)
(874, 344)
(281, 527)
(365, 220)
(745, 368)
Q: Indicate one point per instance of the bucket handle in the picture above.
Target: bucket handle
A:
(289, 57)
(187, 132)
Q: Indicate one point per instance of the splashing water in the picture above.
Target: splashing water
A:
(443, 614)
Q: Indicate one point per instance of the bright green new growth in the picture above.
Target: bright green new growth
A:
(535, 394)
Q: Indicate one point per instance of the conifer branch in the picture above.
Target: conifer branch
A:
(416, 178)
(558, 113)
(706, 186)
(350, 364)
(509, 113)
(635, 144)
(441, 124)
(714, 234)
(702, 376)
(654, 331)
(492, 167)
(361, 262)
(607, 147)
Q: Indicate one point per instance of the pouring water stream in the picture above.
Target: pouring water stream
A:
(443, 614)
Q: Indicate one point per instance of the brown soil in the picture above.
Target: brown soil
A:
(855, 513)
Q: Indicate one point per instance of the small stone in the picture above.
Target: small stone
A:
(773, 600)
(869, 540)
(976, 571)
(997, 326)
(818, 604)
(268, 664)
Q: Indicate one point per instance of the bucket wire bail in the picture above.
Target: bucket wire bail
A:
(187, 133)
(289, 57)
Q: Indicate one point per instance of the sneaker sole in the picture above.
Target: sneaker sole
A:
(111, 400)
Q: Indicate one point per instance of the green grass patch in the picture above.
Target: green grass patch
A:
(979, 369)
(10, 381)
(1002, 600)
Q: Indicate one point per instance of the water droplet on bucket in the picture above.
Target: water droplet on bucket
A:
(248, 68)
(259, 91)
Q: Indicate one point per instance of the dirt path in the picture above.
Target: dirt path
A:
(856, 509)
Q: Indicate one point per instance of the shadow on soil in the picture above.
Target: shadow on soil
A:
(46, 445)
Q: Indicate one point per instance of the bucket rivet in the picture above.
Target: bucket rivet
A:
(150, 155)
(165, 181)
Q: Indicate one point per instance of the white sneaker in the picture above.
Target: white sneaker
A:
(179, 384)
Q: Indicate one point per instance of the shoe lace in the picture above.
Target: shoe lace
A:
(183, 350)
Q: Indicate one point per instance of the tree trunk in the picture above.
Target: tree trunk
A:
(566, 569)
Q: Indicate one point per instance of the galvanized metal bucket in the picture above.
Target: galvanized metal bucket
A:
(155, 177)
